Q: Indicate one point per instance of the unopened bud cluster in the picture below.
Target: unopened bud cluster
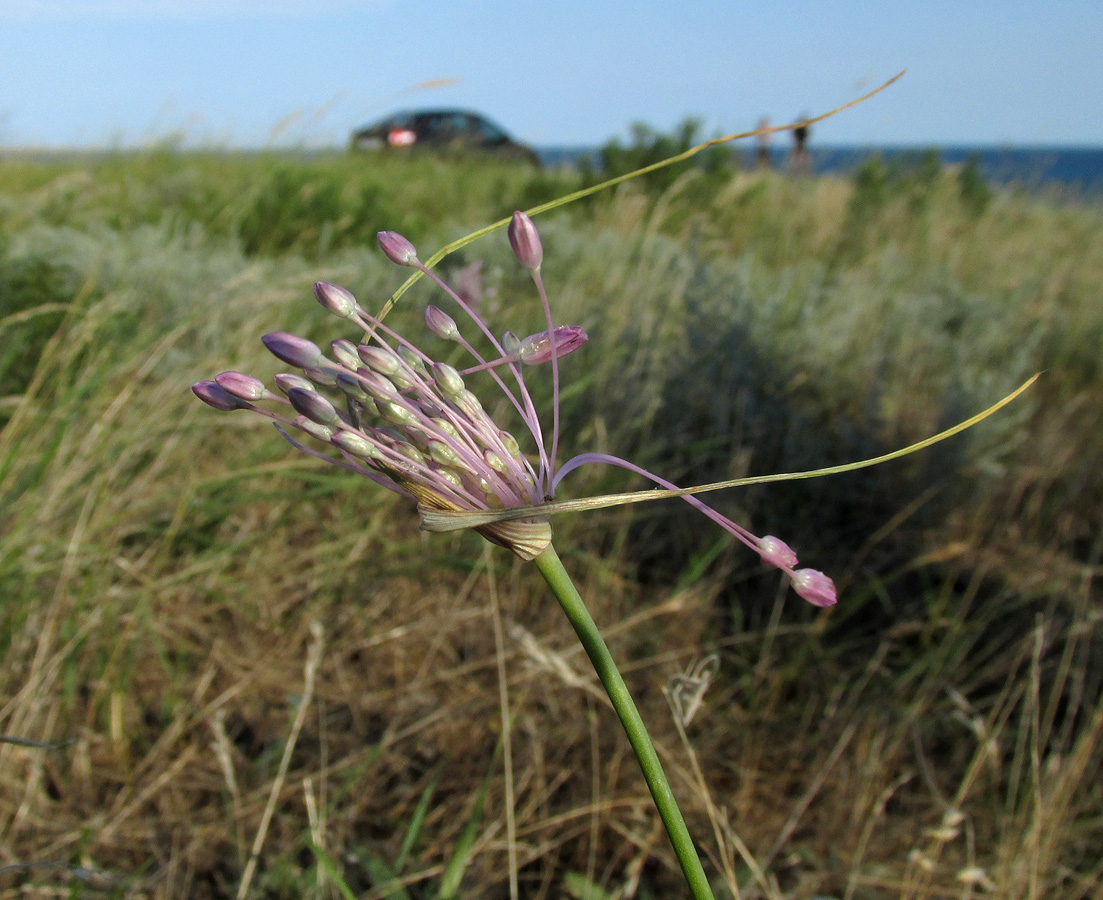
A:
(413, 425)
(397, 416)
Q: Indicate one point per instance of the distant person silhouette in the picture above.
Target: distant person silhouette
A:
(801, 160)
(762, 153)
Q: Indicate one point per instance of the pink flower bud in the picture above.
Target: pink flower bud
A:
(379, 387)
(336, 299)
(294, 350)
(314, 406)
(244, 386)
(536, 349)
(448, 380)
(285, 381)
(776, 552)
(344, 352)
(815, 587)
(399, 250)
(441, 324)
(525, 241)
(379, 359)
(213, 394)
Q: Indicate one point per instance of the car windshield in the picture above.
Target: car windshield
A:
(402, 120)
(490, 133)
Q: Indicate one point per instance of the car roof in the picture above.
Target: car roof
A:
(406, 115)
(411, 113)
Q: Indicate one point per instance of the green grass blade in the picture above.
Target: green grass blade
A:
(580, 887)
(457, 865)
(384, 877)
(413, 830)
(327, 865)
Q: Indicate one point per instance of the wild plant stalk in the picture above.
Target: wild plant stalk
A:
(410, 423)
(589, 635)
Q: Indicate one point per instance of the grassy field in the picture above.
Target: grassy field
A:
(255, 663)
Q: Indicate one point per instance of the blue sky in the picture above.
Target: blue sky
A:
(254, 73)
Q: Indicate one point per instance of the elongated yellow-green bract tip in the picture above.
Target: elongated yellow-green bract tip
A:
(455, 521)
(612, 182)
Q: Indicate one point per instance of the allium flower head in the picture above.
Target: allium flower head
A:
(394, 413)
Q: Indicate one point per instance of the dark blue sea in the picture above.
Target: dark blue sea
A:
(1076, 168)
(1072, 170)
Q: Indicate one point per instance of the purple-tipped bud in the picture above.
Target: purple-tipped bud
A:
(441, 324)
(525, 241)
(345, 353)
(415, 363)
(448, 379)
(397, 413)
(379, 387)
(356, 444)
(213, 394)
(511, 343)
(411, 453)
(285, 381)
(510, 443)
(336, 299)
(451, 477)
(815, 587)
(776, 552)
(536, 349)
(244, 386)
(321, 432)
(314, 406)
(398, 250)
(467, 403)
(294, 350)
(441, 453)
(323, 376)
(446, 427)
(350, 385)
(379, 360)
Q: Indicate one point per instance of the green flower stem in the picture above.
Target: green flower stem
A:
(559, 581)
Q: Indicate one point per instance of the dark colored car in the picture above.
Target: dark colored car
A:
(449, 130)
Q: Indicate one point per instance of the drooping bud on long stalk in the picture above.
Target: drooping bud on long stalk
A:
(815, 587)
(213, 394)
(525, 241)
(294, 350)
(441, 324)
(536, 349)
(398, 250)
(244, 386)
(336, 299)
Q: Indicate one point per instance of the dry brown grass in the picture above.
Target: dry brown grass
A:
(838, 786)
